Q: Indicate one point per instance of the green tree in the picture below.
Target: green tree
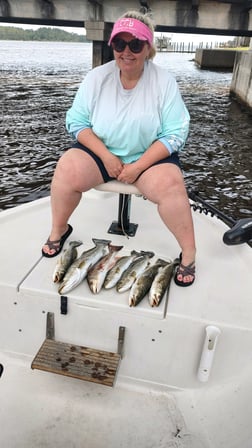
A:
(42, 34)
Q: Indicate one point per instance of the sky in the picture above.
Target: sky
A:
(176, 37)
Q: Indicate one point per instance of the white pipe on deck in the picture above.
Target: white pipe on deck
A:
(208, 351)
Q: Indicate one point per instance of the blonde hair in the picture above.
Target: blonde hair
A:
(145, 18)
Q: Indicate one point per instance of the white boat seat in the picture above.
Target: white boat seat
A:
(118, 187)
(122, 226)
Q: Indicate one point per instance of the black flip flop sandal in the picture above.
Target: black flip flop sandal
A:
(57, 245)
(184, 271)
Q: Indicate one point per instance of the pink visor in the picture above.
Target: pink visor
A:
(134, 27)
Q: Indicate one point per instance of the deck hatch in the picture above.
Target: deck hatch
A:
(77, 361)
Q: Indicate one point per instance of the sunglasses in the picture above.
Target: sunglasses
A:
(135, 45)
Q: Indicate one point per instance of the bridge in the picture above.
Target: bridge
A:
(229, 17)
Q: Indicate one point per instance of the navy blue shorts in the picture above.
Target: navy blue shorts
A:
(173, 158)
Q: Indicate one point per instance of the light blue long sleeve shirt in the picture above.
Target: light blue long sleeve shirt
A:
(129, 121)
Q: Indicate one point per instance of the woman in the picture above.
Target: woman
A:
(129, 122)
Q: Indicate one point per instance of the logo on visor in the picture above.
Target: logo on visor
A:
(127, 22)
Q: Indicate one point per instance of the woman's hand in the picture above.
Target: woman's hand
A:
(129, 173)
(112, 164)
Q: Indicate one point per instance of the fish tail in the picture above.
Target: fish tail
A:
(113, 248)
(98, 241)
(135, 252)
(160, 262)
(75, 243)
(148, 253)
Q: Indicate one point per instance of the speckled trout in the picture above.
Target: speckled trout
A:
(161, 283)
(143, 282)
(96, 275)
(121, 264)
(68, 256)
(133, 271)
(78, 270)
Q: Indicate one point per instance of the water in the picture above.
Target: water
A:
(38, 81)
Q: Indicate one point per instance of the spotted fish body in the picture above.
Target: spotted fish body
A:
(78, 270)
(133, 271)
(96, 275)
(143, 283)
(161, 283)
(115, 273)
(66, 259)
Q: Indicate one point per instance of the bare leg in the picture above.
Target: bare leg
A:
(76, 172)
(164, 185)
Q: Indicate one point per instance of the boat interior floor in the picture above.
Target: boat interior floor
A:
(158, 398)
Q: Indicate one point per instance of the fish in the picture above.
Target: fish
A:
(161, 283)
(66, 259)
(79, 268)
(143, 283)
(96, 275)
(133, 271)
(115, 273)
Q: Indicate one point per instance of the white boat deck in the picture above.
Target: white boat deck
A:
(223, 272)
(157, 399)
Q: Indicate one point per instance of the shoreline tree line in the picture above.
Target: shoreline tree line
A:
(41, 34)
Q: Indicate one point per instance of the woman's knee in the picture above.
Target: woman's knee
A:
(64, 166)
(66, 169)
(78, 169)
(163, 182)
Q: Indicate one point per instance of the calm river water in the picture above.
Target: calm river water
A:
(38, 81)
